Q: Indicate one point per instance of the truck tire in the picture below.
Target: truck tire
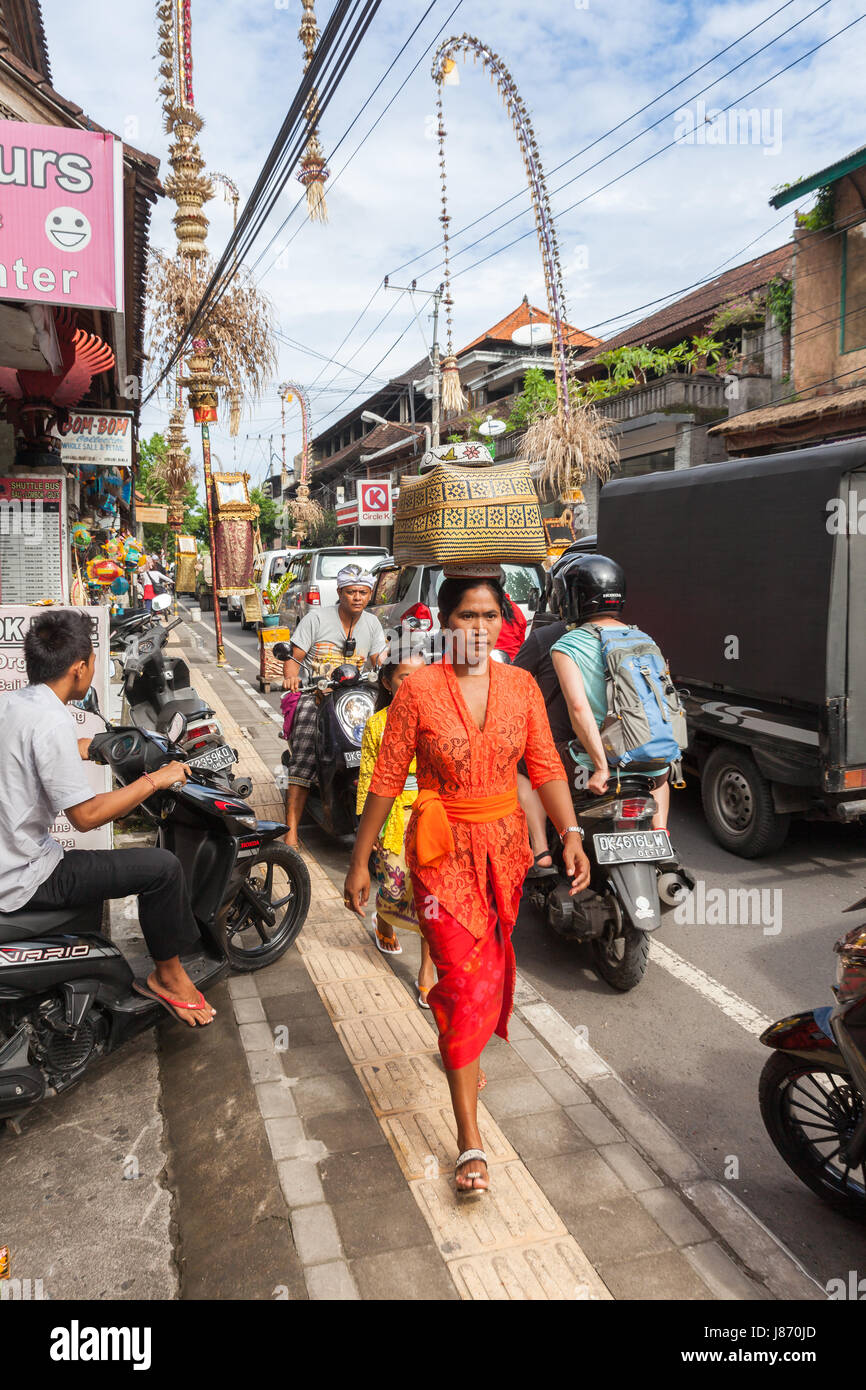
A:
(738, 804)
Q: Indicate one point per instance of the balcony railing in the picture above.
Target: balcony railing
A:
(673, 393)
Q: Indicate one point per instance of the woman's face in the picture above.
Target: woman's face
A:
(402, 671)
(476, 623)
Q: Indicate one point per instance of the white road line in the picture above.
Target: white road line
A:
(240, 651)
(738, 1010)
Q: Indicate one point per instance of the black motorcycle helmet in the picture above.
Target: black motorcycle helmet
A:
(557, 593)
(595, 586)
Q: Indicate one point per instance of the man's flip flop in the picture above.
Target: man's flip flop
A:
(172, 1006)
(468, 1154)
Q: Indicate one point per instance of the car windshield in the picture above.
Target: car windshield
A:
(519, 581)
(331, 564)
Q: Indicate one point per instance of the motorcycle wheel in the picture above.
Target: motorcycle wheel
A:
(808, 1110)
(621, 955)
(265, 920)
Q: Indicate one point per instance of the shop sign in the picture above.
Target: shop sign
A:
(61, 201)
(374, 503)
(96, 437)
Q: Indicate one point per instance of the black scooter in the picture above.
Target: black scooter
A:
(347, 699)
(66, 996)
(620, 910)
(813, 1088)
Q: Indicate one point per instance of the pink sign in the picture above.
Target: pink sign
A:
(61, 216)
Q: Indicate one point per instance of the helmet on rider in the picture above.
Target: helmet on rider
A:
(557, 593)
(595, 587)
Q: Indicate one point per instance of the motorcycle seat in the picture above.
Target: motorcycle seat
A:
(192, 706)
(15, 926)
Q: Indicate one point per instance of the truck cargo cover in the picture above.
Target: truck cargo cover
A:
(738, 550)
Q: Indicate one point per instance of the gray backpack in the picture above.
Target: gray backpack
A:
(645, 722)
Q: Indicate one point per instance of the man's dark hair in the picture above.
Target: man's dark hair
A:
(54, 642)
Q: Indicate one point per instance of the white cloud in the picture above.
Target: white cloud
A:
(580, 71)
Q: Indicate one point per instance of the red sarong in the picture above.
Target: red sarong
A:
(474, 995)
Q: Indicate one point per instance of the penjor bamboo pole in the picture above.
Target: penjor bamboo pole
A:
(208, 493)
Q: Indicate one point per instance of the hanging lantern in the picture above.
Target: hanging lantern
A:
(120, 585)
(134, 556)
(81, 537)
(450, 73)
(103, 572)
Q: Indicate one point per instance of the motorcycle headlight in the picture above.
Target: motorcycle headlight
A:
(353, 710)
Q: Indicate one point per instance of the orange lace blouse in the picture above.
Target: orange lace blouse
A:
(429, 720)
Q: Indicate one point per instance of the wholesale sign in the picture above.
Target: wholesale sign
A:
(96, 437)
(61, 216)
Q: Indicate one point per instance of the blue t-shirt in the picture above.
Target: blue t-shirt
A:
(584, 648)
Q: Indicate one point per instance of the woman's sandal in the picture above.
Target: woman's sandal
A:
(542, 870)
(422, 991)
(473, 1191)
(383, 946)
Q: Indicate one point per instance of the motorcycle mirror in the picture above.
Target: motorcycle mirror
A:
(177, 728)
(532, 600)
(90, 703)
(160, 603)
(282, 651)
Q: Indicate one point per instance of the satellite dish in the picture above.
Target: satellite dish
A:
(492, 426)
(532, 334)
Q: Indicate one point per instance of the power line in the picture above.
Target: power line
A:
(606, 135)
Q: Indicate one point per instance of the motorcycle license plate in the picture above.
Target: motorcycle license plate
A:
(353, 757)
(215, 759)
(630, 846)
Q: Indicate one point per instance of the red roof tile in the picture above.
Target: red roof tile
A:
(502, 331)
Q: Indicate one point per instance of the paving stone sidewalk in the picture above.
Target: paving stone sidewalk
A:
(591, 1196)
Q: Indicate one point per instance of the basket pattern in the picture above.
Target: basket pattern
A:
(472, 514)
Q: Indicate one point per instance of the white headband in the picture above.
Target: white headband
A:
(353, 575)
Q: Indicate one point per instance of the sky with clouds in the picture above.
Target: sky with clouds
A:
(627, 235)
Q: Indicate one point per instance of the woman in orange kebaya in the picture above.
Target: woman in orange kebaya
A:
(468, 722)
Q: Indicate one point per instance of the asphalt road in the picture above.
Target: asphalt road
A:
(686, 1038)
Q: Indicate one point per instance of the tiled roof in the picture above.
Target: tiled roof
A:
(853, 398)
(22, 30)
(677, 320)
(502, 331)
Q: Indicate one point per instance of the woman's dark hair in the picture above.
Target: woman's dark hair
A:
(409, 648)
(54, 642)
(452, 591)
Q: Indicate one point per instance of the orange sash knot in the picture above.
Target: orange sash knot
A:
(434, 813)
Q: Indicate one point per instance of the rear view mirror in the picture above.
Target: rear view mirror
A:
(177, 728)
(90, 703)
(282, 651)
(532, 600)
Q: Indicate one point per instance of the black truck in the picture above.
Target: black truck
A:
(751, 576)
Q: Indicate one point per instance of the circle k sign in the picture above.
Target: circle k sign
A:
(374, 503)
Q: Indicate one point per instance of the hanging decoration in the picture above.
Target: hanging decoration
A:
(305, 513)
(314, 169)
(103, 571)
(81, 537)
(574, 440)
(231, 193)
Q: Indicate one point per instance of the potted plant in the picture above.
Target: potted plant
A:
(273, 595)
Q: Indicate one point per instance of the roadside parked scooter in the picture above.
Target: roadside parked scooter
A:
(66, 996)
(813, 1088)
(346, 700)
(620, 910)
(157, 687)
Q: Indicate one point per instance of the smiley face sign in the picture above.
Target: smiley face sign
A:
(67, 229)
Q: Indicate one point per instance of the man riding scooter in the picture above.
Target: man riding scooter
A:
(324, 639)
(41, 775)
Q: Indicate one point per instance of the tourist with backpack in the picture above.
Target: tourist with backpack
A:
(622, 703)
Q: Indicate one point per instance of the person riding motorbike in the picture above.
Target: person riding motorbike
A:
(595, 588)
(324, 639)
(41, 775)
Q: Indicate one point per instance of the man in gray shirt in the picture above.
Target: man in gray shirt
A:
(41, 775)
(322, 641)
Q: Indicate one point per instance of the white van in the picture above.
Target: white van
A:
(269, 568)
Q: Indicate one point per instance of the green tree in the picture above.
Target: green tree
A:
(269, 526)
(537, 398)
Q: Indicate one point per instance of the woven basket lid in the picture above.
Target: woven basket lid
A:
(471, 453)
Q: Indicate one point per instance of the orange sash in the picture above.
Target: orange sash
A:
(433, 837)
